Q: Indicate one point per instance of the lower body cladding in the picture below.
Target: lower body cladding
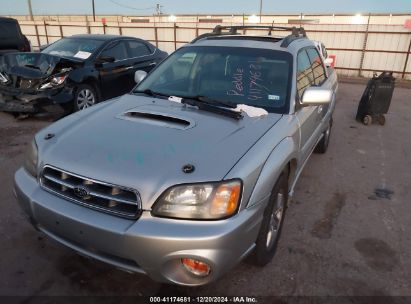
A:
(154, 246)
(53, 101)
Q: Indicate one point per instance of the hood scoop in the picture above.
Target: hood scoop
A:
(158, 119)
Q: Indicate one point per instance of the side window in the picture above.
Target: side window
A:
(116, 50)
(305, 76)
(317, 66)
(137, 49)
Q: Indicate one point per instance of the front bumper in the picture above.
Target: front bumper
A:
(149, 245)
(49, 101)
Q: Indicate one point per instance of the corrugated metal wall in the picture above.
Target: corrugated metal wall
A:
(360, 49)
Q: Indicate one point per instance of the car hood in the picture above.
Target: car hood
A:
(35, 65)
(143, 143)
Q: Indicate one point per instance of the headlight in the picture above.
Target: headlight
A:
(55, 81)
(4, 78)
(30, 163)
(200, 201)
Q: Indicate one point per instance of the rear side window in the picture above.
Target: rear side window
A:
(317, 66)
(116, 50)
(138, 49)
(305, 77)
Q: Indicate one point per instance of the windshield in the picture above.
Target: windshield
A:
(72, 47)
(256, 77)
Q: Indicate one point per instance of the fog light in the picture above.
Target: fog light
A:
(196, 267)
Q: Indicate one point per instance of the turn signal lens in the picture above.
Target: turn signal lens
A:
(196, 267)
(226, 199)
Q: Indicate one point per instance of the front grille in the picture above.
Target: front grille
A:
(94, 194)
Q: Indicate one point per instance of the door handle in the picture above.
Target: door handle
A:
(152, 63)
(320, 109)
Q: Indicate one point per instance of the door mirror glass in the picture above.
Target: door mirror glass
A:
(315, 96)
(139, 76)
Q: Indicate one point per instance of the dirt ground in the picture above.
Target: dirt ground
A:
(347, 232)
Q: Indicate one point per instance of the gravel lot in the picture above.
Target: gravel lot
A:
(347, 232)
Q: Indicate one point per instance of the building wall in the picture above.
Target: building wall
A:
(360, 49)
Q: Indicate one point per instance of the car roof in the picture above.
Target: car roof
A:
(7, 19)
(101, 37)
(249, 41)
(229, 36)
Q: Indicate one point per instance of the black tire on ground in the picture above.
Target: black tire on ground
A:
(381, 120)
(273, 219)
(322, 145)
(85, 96)
(367, 120)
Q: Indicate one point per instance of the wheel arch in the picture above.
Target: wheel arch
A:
(91, 81)
(283, 156)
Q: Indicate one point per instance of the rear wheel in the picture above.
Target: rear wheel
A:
(85, 97)
(367, 120)
(273, 218)
(381, 120)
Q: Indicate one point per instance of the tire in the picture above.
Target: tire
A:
(85, 96)
(270, 231)
(367, 120)
(381, 120)
(322, 145)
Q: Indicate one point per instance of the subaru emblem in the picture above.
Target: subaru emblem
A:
(80, 192)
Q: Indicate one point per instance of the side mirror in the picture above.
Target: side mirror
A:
(315, 96)
(139, 76)
(328, 62)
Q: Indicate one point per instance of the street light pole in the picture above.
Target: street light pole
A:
(261, 8)
(30, 10)
(94, 11)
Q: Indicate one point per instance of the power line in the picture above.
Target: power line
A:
(131, 7)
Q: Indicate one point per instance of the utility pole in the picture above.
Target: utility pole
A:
(94, 11)
(261, 8)
(158, 9)
(30, 10)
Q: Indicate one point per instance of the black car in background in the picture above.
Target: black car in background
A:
(73, 73)
(11, 37)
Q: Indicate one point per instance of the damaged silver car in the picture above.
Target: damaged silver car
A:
(192, 171)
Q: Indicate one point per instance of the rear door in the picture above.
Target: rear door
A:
(114, 75)
(141, 57)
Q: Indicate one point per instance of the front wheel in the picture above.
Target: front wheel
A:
(85, 96)
(273, 218)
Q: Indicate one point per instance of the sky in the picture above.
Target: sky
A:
(147, 7)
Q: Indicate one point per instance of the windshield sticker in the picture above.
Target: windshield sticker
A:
(273, 97)
(82, 55)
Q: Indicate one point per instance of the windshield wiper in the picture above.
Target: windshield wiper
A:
(201, 102)
(211, 101)
(152, 93)
(213, 106)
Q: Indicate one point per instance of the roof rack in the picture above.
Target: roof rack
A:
(296, 32)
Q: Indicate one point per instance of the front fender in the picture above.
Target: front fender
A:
(278, 159)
